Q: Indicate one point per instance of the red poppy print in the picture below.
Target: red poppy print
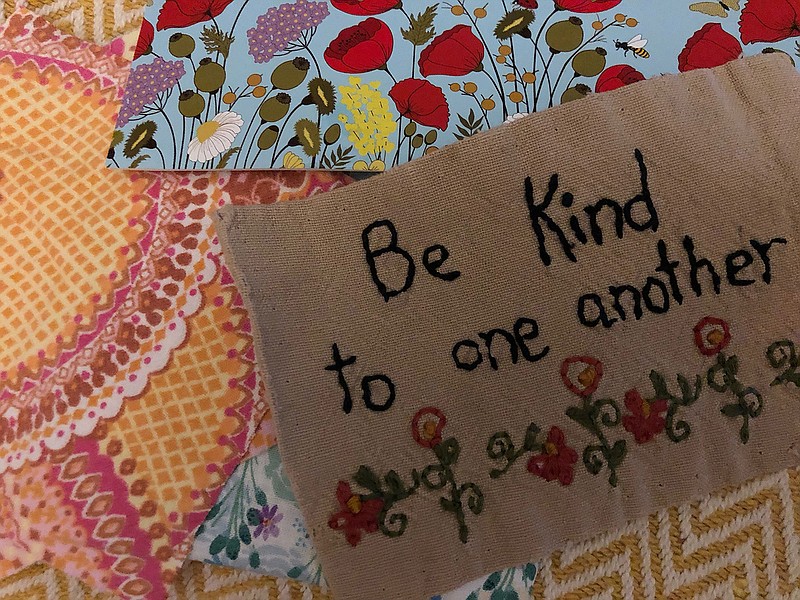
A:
(711, 335)
(421, 101)
(183, 13)
(581, 374)
(145, 43)
(709, 47)
(427, 426)
(529, 4)
(645, 420)
(356, 516)
(587, 6)
(365, 7)
(769, 20)
(456, 52)
(616, 77)
(361, 48)
(557, 460)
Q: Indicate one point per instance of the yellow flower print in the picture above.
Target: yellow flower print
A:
(372, 122)
(375, 165)
(292, 161)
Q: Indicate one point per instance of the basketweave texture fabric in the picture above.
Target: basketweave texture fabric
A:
(600, 331)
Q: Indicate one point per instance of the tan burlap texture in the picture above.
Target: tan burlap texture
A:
(608, 332)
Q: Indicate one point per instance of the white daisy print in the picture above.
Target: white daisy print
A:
(215, 136)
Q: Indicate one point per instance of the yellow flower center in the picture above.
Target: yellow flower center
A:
(429, 430)
(266, 521)
(715, 337)
(206, 130)
(354, 504)
(550, 448)
(586, 377)
(645, 408)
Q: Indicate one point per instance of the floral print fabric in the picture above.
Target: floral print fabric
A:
(128, 390)
(256, 525)
(369, 84)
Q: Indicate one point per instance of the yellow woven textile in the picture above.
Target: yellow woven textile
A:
(197, 581)
(95, 20)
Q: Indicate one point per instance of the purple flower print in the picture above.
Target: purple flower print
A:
(145, 83)
(268, 525)
(282, 25)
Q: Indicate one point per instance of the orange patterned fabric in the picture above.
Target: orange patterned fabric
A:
(128, 392)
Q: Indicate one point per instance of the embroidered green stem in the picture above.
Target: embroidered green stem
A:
(501, 446)
(447, 453)
(749, 402)
(394, 491)
(591, 415)
(679, 430)
(783, 355)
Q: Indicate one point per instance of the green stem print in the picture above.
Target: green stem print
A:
(783, 355)
(370, 512)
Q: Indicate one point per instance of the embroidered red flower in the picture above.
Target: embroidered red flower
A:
(365, 7)
(581, 374)
(145, 43)
(356, 514)
(711, 335)
(456, 52)
(183, 13)
(587, 6)
(361, 48)
(769, 20)
(645, 420)
(421, 101)
(556, 461)
(427, 426)
(617, 76)
(711, 46)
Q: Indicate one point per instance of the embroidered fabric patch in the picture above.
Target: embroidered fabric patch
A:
(503, 357)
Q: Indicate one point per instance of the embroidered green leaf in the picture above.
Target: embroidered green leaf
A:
(261, 497)
(394, 484)
(659, 384)
(617, 454)
(232, 548)
(253, 516)
(216, 40)
(492, 581)
(218, 544)
(223, 160)
(421, 29)
(744, 430)
(255, 560)
(294, 572)
(367, 478)
(581, 417)
(530, 437)
(447, 452)
(244, 534)
(732, 410)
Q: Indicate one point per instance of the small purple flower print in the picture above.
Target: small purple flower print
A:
(145, 83)
(281, 25)
(268, 525)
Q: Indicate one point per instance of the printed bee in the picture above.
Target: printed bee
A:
(715, 9)
(636, 45)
